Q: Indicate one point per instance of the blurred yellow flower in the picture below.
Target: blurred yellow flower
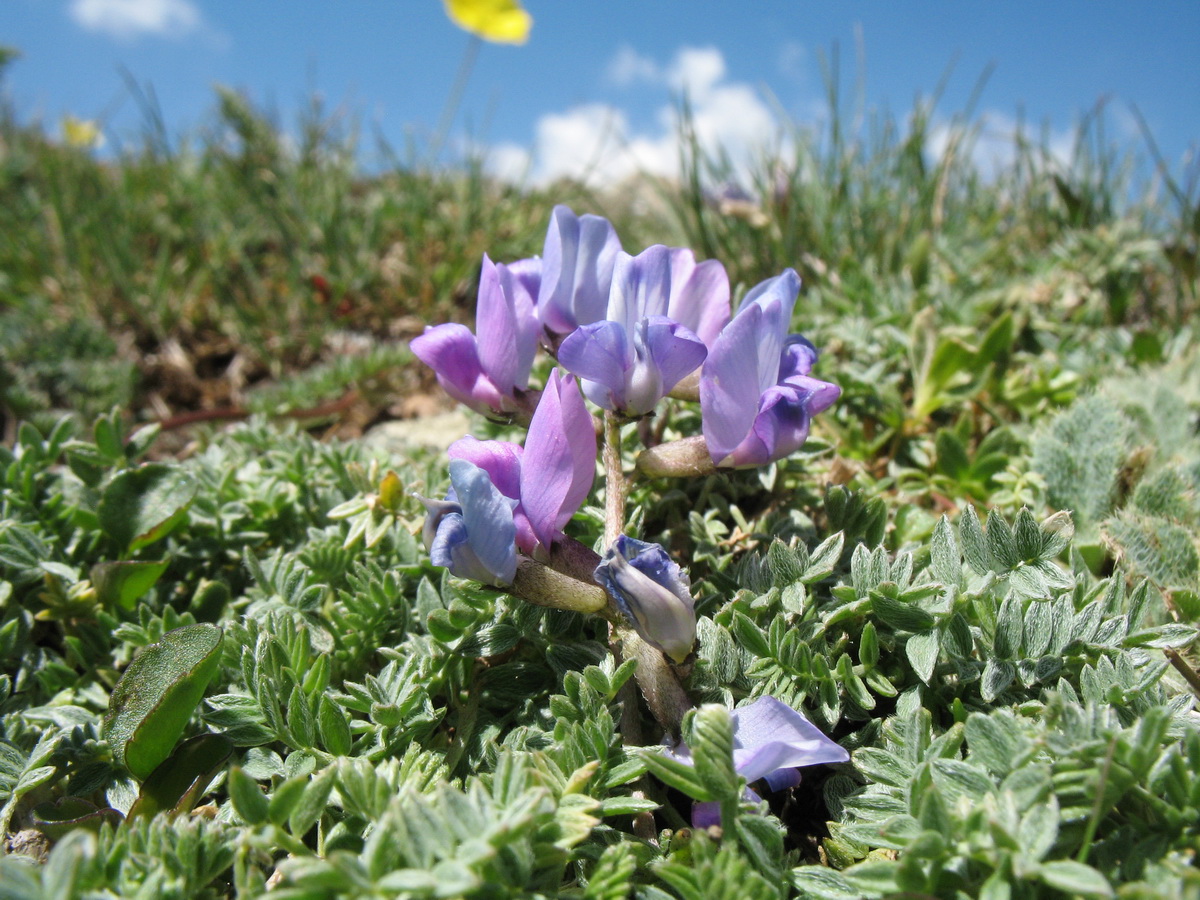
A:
(81, 133)
(501, 21)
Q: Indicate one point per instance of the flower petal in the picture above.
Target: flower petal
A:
(729, 384)
(674, 350)
(600, 353)
(559, 462)
(577, 268)
(489, 553)
(521, 281)
(699, 294)
(496, 329)
(641, 286)
(776, 297)
(500, 21)
(652, 592)
(450, 350)
(770, 735)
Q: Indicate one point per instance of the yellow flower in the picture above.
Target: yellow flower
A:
(502, 21)
(81, 133)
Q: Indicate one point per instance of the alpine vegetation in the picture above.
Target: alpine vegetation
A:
(850, 551)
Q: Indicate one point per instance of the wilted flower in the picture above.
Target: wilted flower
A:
(632, 358)
(552, 475)
(756, 394)
(770, 740)
(652, 592)
(577, 270)
(489, 373)
(501, 21)
(471, 532)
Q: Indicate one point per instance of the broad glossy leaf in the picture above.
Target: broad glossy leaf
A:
(156, 696)
(181, 779)
(142, 505)
(56, 819)
(123, 583)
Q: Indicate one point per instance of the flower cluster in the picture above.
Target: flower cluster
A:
(625, 331)
(632, 329)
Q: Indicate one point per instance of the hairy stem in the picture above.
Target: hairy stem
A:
(616, 491)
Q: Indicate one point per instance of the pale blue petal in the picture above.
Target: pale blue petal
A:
(674, 350)
(600, 353)
(488, 518)
(652, 593)
(770, 735)
(729, 384)
(699, 295)
(496, 330)
(577, 267)
(641, 286)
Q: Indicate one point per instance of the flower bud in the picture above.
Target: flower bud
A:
(652, 593)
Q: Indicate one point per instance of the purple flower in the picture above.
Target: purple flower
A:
(756, 394)
(471, 532)
(770, 740)
(489, 373)
(577, 270)
(550, 477)
(699, 295)
(653, 594)
(631, 359)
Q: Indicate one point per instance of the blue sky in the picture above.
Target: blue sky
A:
(592, 91)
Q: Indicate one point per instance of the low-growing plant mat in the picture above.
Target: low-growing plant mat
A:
(229, 668)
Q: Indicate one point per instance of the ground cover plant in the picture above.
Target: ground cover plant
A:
(950, 568)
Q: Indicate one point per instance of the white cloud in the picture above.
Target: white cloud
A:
(696, 70)
(997, 140)
(629, 67)
(595, 143)
(793, 57)
(133, 18)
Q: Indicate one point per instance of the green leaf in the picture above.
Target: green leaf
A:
(882, 766)
(333, 728)
(674, 773)
(951, 454)
(1075, 878)
(824, 883)
(182, 778)
(142, 505)
(868, 646)
(944, 556)
(286, 798)
(1039, 829)
(249, 802)
(993, 740)
(311, 803)
(1172, 634)
(1002, 544)
(711, 743)
(975, 547)
(56, 820)
(1009, 629)
(157, 694)
(998, 674)
(824, 559)
(922, 652)
(856, 690)
(611, 876)
(900, 615)
(785, 567)
(123, 583)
